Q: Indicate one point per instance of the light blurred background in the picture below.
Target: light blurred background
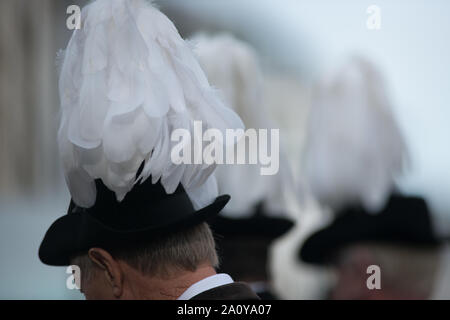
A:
(296, 40)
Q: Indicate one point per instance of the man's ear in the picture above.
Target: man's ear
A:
(111, 268)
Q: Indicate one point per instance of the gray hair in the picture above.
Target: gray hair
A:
(184, 250)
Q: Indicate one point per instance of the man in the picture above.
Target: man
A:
(355, 153)
(257, 212)
(171, 256)
(393, 254)
(136, 225)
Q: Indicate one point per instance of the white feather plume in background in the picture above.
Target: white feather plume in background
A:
(233, 67)
(354, 149)
(127, 81)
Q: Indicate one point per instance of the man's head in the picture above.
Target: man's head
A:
(398, 243)
(161, 269)
(405, 272)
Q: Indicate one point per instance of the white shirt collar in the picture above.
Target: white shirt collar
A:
(206, 284)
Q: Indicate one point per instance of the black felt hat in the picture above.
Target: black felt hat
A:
(258, 224)
(243, 243)
(146, 212)
(404, 220)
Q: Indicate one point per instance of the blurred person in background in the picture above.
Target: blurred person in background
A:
(398, 241)
(354, 154)
(257, 213)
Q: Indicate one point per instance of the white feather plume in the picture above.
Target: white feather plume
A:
(233, 66)
(127, 81)
(355, 149)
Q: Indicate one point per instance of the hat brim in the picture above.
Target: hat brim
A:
(255, 226)
(74, 233)
(321, 247)
(404, 221)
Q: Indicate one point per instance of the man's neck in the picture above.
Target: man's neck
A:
(169, 287)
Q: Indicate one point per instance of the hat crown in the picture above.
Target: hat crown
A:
(145, 205)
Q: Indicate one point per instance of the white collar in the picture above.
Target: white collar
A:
(206, 284)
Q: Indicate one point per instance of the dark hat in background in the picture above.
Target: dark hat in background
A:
(243, 243)
(403, 221)
(146, 212)
(258, 224)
